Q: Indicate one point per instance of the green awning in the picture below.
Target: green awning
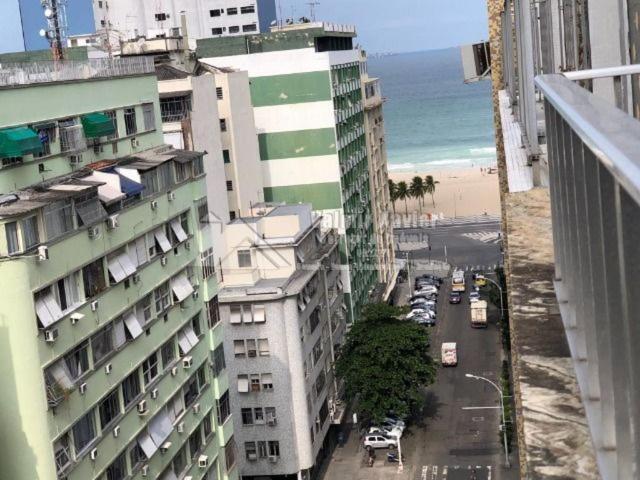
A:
(17, 142)
(97, 125)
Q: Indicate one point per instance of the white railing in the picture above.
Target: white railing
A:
(15, 74)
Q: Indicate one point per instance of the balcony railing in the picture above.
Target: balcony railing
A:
(594, 163)
(15, 74)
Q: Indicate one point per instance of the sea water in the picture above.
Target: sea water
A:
(432, 119)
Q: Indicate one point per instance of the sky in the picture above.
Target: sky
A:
(382, 25)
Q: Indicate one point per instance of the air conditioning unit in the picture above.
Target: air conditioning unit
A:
(203, 461)
(154, 204)
(94, 305)
(112, 222)
(174, 371)
(83, 388)
(196, 408)
(136, 278)
(252, 457)
(135, 143)
(94, 231)
(50, 335)
(187, 245)
(75, 317)
(195, 294)
(116, 431)
(165, 446)
(187, 362)
(108, 368)
(142, 407)
(171, 196)
(273, 458)
(43, 253)
(144, 471)
(94, 454)
(180, 427)
(163, 261)
(271, 420)
(154, 393)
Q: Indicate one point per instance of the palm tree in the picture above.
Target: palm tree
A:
(393, 194)
(416, 190)
(430, 187)
(403, 193)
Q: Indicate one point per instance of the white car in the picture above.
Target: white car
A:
(389, 422)
(416, 312)
(379, 441)
(426, 289)
(474, 297)
(394, 432)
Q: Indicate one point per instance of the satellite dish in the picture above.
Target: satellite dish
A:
(48, 13)
(42, 32)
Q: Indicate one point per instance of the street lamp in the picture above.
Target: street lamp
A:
(504, 423)
(500, 289)
(400, 465)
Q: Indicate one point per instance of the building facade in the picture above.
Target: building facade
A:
(112, 351)
(284, 317)
(131, 19)
(308, 109)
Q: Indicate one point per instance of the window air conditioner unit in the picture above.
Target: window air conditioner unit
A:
(187, 362)
(273, 458)
(112, 222)
(116, 431)
(174, 371)
(154, 204)
(195, 294)
(196, 408)
(144, 471)
(134, 143)
(165, 446)
(271, 420)
(94, 454)
(136, 278)
(180, 427)
(83, 388)
(203, 461)
(142, 407)
(163, 261)
(50, 335)
(108, 368)
(94, 305)
(252, 457)
(75, 317)
(154, 393)
(187, 245)
(94, 232)
(171, 196)
(43, 253)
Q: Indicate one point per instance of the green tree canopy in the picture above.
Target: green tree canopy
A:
(402, 193)
(430, 187)
(393, 193)
(417, 190)
(385, 363)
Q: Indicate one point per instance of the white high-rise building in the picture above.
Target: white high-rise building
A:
(130, 19)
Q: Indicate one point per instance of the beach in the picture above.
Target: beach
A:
(459, 193)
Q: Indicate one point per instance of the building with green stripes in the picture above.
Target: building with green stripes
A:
(111, 353)
(308, 110)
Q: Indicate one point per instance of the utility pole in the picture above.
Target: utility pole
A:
(500, 289)
(312, 9)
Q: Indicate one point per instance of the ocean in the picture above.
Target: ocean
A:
(432, 119)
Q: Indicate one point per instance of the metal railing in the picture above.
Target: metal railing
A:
(594, 164)
(16, 74)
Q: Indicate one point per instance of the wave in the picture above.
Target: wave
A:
(482, 151)
(445, 162)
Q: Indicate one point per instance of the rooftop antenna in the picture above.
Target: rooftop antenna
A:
(55, 13)
(280, 13)
(312, 9)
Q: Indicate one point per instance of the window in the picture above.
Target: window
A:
(130, 121)
(162, 297)
(202, 377)
(161, 17)
(165, 176)
(226, 156)
(175, 109)
(77, 360)
(250, 449)
(207, 427)
(208, 263)
(230, 453)
(247, 416)
(223, 124)
(215, 13)
(30, 236)
(102, 343)
(114, 118)
(179, 462)
(58, 218)
(195, 443)
(168, 353)
(244, 258)
(131, 388)
(190, 392)
(314, 320)
(274, 448)
(136, 456)
(248, 9)
(249, 28)
(222, 407)
(175, 407)
(149, 116)
(267, 381)
(317, 351)
(234, 29)
(262, 449)
(216, 31)
(254, 379)
(263, 347)
(11, 232)
(219, 363)
(183, 171)
(239, 348)
(232, 215)
(232, 11)
(259, 314)
(119, 266)
(93, 278)
(62, 454)
(251, 348)
(84, 431)
(219, 89)
(270, 412)
(150, 368)
(109, 409)
(144, 311)
(235, 313)
(229, 186)
(213, 314)
(320, 383)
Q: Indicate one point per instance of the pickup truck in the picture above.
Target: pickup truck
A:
(479, 314)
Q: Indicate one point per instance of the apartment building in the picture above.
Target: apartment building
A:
(282, 308)
(131, 19)
(378, 177)
(112, 357)
(308, 109)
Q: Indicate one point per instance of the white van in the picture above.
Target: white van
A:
(449, 354)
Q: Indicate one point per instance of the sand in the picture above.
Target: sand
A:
(460, 193)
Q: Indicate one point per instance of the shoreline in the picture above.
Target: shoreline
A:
(460, 192)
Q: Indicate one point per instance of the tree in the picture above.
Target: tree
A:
(393, 194)
(402, 192)
(430, 187)
(416, 189)
(385, 363)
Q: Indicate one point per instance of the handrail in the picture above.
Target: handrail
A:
(611, 134)
(603, 72)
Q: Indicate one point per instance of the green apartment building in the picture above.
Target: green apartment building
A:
(308, 109)
(110, 345)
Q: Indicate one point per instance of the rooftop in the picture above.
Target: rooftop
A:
(168, 72)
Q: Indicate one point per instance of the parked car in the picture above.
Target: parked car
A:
(474, 297)
(422, 301)
(427, 289)
(379, 441)
(420, 312)
(394, 420)
(388, 424)
(424, 296)
(455, 297)
(428, 276)
(425, 320)
(393, 432)
(426, 282)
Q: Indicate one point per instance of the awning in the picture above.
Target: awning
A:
(258, 314)
(187, 339)
(243, 385)
(91, 211)
(176, 226)
(162, 240)
(48, 310)
(60, 373)
(109, 192)
(129, 187)
(17, 142)
(160, 428)
(120, 267)
(97, 125)
(236, 315)
(147, 445)
(181, 287)
(118, 331)
(133, 325)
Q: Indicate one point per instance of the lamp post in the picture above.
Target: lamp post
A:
(504, 423)
(400, 465)
(500, 289)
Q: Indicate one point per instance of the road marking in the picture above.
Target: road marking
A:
(425, 471)
(483, 236)
(477, 419)
(434, 473)
(444, 472)
(489, 473)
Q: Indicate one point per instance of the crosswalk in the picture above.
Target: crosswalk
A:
(484, 236)
(454, 472)
(413, 221)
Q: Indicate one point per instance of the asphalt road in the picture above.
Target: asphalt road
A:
(450, 440)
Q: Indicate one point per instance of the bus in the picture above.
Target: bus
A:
(457, 281)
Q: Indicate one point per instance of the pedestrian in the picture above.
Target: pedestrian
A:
(340, 439)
